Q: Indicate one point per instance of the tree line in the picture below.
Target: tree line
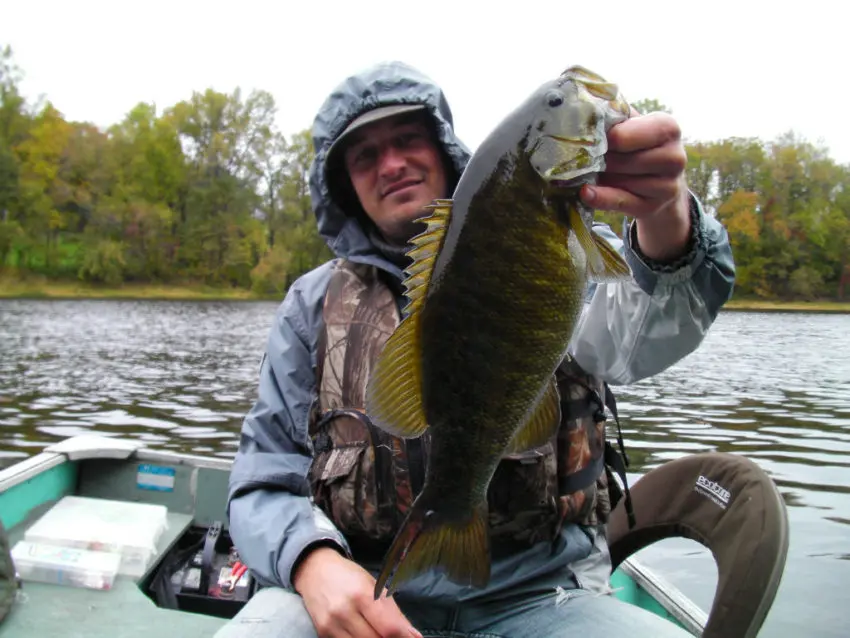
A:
(210, 192)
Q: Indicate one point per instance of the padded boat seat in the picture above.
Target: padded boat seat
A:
(727, 503)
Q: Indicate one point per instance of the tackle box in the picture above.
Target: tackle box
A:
(128, 529)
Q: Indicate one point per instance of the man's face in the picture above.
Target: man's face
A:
(395, 169)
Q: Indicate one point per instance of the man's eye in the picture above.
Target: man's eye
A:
(408, 139)
(363, 156)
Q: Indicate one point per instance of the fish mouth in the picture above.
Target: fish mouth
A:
(575, 141)
(574, 182)
(566, 161)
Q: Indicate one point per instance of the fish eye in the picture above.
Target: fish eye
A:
(554, 98)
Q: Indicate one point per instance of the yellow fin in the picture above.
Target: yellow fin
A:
(394, 390)
(426, 247)
(424, 542)
(603, 262)
(541, 425)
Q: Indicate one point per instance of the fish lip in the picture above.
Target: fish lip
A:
(397, 186)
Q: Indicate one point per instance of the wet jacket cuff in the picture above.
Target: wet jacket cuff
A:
(321, 539)
(647, 272)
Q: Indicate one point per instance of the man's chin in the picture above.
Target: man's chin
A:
(403, 230)
(411, 211)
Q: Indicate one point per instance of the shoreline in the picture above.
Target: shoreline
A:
(765, 305)
(151, 292)
(127, 292)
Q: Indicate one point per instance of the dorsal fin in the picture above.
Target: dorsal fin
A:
(426, 247)
(394, 391)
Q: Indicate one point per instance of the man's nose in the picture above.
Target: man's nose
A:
(391, 161)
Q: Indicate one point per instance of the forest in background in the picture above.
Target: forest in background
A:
(209, 193)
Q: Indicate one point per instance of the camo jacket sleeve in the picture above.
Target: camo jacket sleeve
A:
(272, 518)
(632, 330)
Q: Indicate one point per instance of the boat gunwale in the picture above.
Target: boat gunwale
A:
(60, 453)
(670, 597)
(27, 469)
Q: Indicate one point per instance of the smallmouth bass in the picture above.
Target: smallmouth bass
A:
(494, 291)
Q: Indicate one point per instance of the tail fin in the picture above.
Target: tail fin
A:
(462, 548)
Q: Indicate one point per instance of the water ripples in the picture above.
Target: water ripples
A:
(175, 375)
(773, 387)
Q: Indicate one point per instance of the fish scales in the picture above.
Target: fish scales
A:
(505, 300)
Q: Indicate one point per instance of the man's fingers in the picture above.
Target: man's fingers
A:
(618, 200)
(358, 627)
(670, 160)
(387, 619)
(643, 132)
(659, 189)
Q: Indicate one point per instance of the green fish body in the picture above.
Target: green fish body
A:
(495, 289)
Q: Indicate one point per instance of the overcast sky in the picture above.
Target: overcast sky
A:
(742, 68)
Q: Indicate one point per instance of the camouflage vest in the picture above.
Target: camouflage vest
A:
(365, 480)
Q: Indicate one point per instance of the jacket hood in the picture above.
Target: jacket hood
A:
(343, 225)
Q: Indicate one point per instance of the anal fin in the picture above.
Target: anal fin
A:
(541, 425)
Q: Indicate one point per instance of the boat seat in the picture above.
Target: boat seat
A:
(728, 504)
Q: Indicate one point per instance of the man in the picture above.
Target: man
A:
(385, 147)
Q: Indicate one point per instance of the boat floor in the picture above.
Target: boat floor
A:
(121, 612)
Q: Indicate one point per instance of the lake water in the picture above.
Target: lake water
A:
(180, 375)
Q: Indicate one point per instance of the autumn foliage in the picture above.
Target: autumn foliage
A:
(209, 192)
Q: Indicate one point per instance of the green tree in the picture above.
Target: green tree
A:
(648, 105)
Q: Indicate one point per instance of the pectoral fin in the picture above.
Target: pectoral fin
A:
(603, 262)
(394, 390)
(541, 425)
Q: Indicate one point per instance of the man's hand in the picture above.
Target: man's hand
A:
(644, 178)
(339, 596)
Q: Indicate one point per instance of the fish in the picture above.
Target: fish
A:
(494, 289)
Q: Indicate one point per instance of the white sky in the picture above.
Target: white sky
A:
(739, 68)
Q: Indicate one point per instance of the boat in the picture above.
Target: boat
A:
(190, 492)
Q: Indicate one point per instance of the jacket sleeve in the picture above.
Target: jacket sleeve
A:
(634, 329)
(272, 519)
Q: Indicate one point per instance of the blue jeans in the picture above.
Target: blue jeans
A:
(544, 613)
(577, 613)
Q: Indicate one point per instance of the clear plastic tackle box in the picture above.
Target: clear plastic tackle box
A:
(59, 565)
(130, 530)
